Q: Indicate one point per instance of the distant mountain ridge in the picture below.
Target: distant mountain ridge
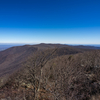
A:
(6, 46)
(94, 45)
(12, 58)
(88, 47)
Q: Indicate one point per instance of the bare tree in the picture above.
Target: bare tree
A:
(38, 61)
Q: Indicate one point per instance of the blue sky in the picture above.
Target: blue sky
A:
(50, 21)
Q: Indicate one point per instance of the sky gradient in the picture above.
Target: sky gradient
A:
(50, 21)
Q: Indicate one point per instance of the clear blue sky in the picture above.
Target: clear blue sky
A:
(50, 21)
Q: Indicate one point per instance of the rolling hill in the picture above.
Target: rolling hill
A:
(49, 72)
(11, 59)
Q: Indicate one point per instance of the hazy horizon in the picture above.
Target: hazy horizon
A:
(40, 43)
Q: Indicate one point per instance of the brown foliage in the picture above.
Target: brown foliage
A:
(46, 76)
